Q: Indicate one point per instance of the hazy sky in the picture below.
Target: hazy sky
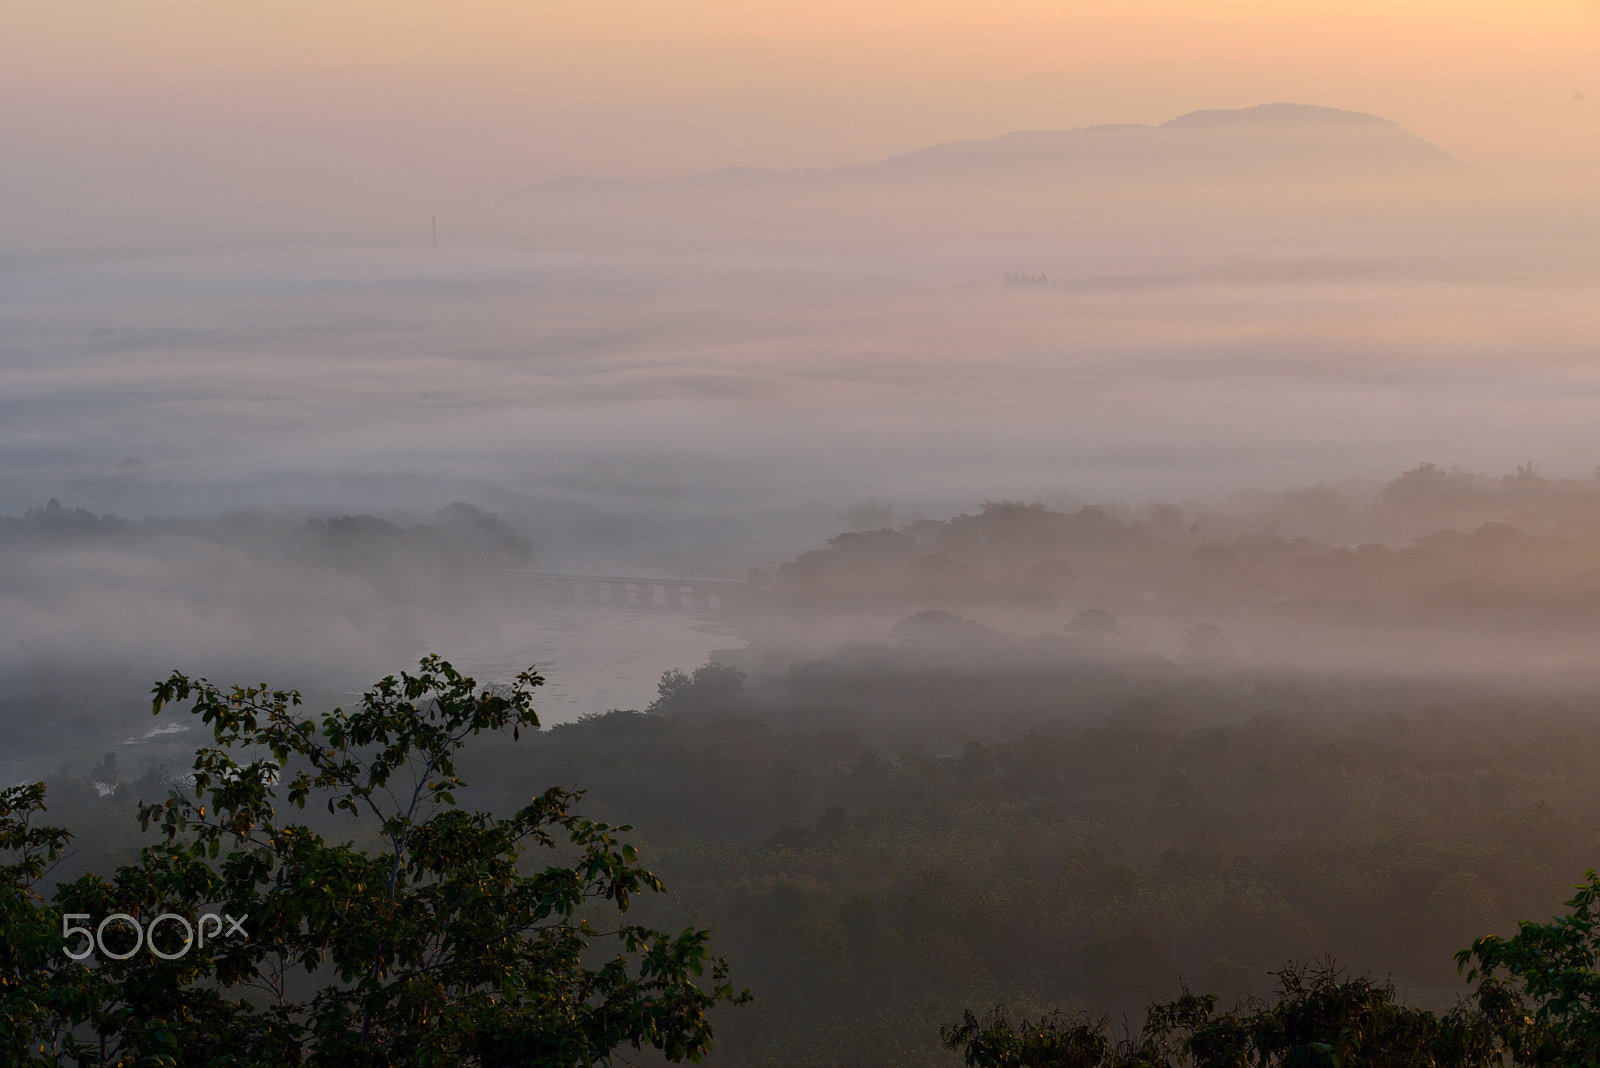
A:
(138, 105)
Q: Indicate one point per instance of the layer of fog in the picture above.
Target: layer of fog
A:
(699, 377)
(677, 404)
(98, 608)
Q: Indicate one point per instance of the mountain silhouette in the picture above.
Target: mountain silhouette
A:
(1268, 142)
(1296, 162)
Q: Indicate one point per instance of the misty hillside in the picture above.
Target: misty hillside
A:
(1268, 142)
(1200, 180)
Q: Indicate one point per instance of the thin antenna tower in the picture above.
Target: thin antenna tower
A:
(435, 219)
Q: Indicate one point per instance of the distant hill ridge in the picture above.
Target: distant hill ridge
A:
(1275, 114)
(1289, 140)
(1280, 141)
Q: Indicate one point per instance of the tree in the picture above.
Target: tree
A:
(713, 690)
(1551, 968)
(34, 999)
(435, 948)
(1057, 1040)
(1320, 1019)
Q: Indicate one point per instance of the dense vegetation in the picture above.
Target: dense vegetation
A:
(1064, 774)
(881, 845)
(437, 944)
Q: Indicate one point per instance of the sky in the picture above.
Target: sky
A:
(138, 105)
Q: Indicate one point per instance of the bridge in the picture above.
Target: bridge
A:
(634, 591)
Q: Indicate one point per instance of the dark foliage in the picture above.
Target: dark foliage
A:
(435, 946)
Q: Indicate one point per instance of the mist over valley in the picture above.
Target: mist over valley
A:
(1150, 553)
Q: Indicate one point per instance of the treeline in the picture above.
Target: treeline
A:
(1499, 573)
(1533, 1006)
(459, 531)
(880, 844)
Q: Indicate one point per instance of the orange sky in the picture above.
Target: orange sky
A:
(452, 99)
(76, 37)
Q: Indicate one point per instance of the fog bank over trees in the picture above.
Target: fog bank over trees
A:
(1436, 573)
(1438, 570)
